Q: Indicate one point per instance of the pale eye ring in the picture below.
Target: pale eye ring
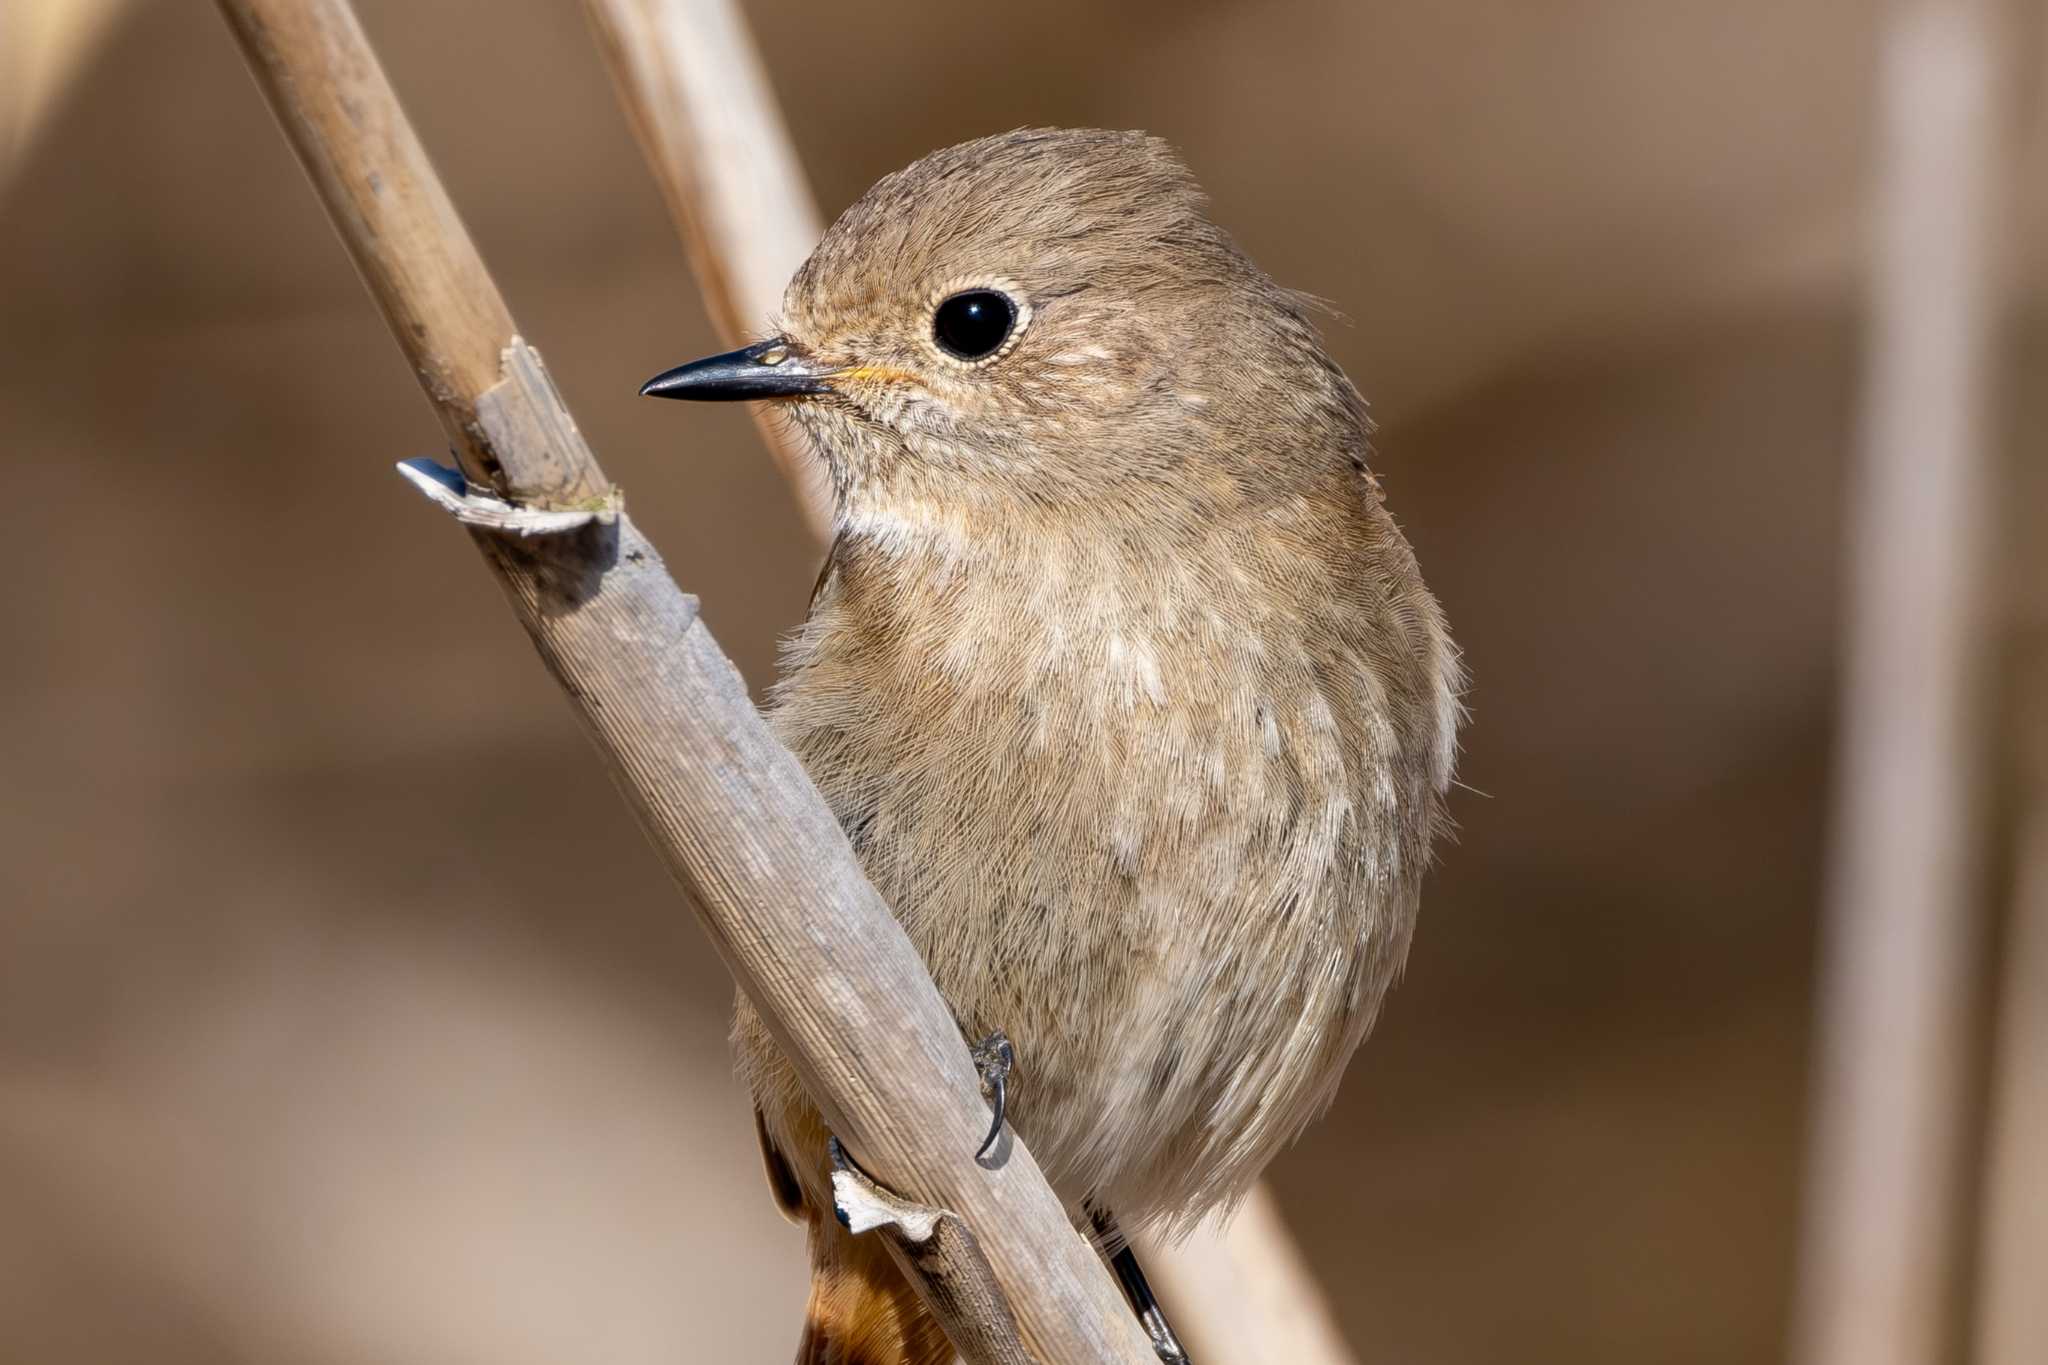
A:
(975, 324)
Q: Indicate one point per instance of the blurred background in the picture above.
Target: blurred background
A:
(344, 1015)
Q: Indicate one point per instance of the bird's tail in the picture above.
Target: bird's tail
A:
(862, 1311)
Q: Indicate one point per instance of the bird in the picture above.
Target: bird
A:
(1119, 676)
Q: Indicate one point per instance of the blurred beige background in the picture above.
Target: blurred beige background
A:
(344, 1016)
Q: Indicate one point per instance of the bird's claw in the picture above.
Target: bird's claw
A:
(993, 1058)
(1164, 1346)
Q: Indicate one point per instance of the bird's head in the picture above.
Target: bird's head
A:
(1045, 320)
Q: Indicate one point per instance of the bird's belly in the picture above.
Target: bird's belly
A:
(1181, 916)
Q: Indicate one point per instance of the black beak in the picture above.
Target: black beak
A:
(767, 369)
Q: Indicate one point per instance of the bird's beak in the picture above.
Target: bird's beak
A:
(767, 369)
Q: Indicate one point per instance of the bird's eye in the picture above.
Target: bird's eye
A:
(974, 325)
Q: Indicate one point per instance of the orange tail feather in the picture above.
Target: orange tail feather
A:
(862, 1311)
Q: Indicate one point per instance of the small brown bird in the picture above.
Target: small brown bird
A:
(1119, 676)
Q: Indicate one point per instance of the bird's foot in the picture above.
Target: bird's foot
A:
(993, 1059)
(1130, 1278)
(1153, 1319)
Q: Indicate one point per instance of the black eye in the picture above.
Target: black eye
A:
(975, 324)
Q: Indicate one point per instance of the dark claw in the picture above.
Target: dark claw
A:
(993, 1057)
(995, 1126)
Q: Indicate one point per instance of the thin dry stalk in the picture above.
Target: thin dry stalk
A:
(730, 811)
(700, 105)
(44, 46)
(1903, 915)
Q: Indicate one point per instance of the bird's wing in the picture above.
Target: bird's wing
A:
(782, 1184)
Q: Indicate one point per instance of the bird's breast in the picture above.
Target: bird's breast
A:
(1152, 820)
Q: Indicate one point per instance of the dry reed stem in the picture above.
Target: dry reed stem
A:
(1903, 916)
(730, 811)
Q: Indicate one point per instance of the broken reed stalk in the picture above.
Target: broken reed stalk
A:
(731, 812)
(1903, 914)
(700, 104)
